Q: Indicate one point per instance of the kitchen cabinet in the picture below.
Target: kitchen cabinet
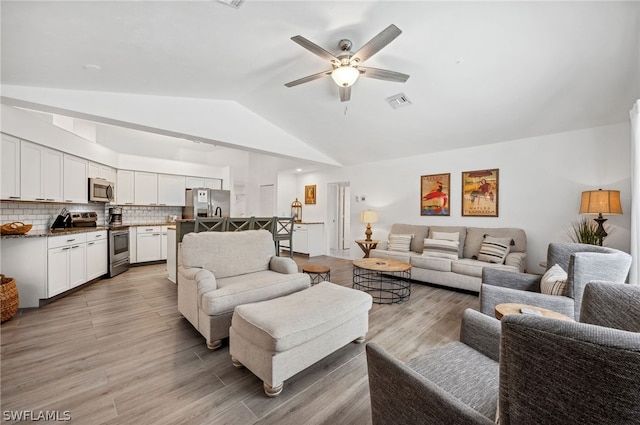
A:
(145, 188)
(75, 180)
(10, 176)
(97, 254)
(133, 244)
(163, 250)
(199, 182)
(124, 187)
(149, 243)
(171, 190)
(308, 238)
(25, 260)
(66, 262)
(31, 168)
(101, 171)
(41, 173)
(171, 253)
(53, 175)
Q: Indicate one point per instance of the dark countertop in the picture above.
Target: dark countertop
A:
(56, 232)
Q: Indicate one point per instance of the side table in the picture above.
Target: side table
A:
(366, 246)
(513, 308)
(317, 273)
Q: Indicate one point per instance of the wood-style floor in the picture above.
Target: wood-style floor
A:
(119, 352)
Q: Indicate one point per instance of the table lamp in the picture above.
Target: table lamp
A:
(368, 217)
(296, 211)
(600, 202)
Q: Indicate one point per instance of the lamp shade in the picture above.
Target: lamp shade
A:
(600, 202)
(344, 76)
(369, 216)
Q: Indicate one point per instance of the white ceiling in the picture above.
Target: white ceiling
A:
(481, 72)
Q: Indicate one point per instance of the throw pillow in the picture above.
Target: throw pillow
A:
(494, 250)
(454, 236)
(554, 281)
(441, 248)
(399, 242)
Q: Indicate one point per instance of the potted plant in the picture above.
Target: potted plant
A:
(584, 231)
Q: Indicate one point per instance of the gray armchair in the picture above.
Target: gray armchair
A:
(551, 372)
(583, 263)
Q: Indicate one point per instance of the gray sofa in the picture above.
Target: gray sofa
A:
(220, 270)
(464, 272)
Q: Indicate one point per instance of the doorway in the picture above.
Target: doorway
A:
(339, 213)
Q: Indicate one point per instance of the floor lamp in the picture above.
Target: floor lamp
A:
(600, 202)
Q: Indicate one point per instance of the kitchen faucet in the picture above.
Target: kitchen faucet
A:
(218, 211)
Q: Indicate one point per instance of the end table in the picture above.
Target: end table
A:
(366, 246)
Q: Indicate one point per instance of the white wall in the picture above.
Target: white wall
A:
(541, 180)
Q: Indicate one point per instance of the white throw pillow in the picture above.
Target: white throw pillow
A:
(399, 242)
(554, 281)
(441, 248)
(494, 250)
(453, 236)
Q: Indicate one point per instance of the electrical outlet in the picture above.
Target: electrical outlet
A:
(363, 198)
(357, 198)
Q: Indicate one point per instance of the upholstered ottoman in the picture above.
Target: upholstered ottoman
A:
(278, 338)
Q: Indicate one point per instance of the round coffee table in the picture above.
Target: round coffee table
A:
(386, 280)
(317, 273)
(514, 308)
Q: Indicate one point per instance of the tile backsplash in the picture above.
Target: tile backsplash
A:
(41, 215)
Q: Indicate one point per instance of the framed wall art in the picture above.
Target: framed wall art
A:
(310, 194)
(480, 193)
(434, 194)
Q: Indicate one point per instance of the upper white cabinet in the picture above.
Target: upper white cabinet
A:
(52, 175)
(10, 168)
(146, 188)
(171, 190)
(75, 179)
(198, 182)
(101, 171)
(124, 187)
(40, 173)
(31, 167)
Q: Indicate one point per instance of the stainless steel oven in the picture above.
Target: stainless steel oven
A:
(118, 250)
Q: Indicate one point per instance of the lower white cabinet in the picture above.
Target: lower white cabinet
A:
(149, 243)
(171, 253)
(308, 238)
(97, 255)
(163, 249)
(66, 262)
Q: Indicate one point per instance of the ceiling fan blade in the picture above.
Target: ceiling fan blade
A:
(315, 49)
(308, 78)
(383, 74)
(345, 94)
(377, 43)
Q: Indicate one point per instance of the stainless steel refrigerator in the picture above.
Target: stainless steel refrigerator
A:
(203, 202)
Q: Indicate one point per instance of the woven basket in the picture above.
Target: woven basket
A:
(8, 298)
(15, 228)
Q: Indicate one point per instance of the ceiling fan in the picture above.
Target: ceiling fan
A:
(345, 67)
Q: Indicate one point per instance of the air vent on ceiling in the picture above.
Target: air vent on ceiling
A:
(232, 3)
(399, 100)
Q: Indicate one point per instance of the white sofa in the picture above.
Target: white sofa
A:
(220, 270)
(465, 272)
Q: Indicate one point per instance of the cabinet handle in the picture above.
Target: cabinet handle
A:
(156, 234)
(39, 199)
(14, 197)
(50, 199)
(91, 243)
(68, 200)
(98, 236)
(70, 240)
(64, 249)
(74, 247)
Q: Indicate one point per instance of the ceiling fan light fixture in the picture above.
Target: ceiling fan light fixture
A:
(345, 76)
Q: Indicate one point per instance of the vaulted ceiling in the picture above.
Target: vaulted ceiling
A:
(481, 72)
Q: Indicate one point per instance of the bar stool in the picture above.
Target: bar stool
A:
(317, 273)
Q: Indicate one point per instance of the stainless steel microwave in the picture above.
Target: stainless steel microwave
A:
(101, 190)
